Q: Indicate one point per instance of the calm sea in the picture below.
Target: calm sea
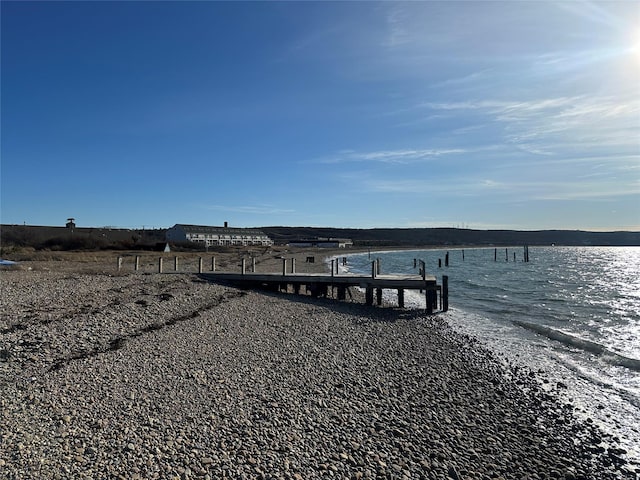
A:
(573, 312)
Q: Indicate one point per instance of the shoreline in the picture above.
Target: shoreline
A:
(163, 376)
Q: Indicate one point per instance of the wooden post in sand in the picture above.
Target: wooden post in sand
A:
(253, 264)
(445, 293)
(160, 265)
(284, 266)
(243, 266)
(293, 266)
(119, 263)
(137, 267)
(175, 263)
(200, 265)
(213, 264)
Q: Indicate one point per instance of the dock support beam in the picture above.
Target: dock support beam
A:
(342, 292)
(445, 293)
(429, 294)
(379, 296)
(369, 295)
(401, 297)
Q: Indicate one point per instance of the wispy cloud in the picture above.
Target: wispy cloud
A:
(546, 125)
(591, 11)
(389, 156)
(251, 209)
(505, 190)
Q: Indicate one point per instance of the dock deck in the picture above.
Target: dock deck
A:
(318, 284)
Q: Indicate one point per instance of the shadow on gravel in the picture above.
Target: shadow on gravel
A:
(365, 313)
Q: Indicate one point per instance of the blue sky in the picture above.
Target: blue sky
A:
(522, 115)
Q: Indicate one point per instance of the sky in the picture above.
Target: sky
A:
(486, 115)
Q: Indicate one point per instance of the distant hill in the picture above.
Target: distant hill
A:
(455, 236)
(83, 238)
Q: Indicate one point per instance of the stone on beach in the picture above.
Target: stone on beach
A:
(163, 376)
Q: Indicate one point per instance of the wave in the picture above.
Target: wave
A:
(605, 354)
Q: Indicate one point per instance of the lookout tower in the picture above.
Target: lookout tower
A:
(70, 223)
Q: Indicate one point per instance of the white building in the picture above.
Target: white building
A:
(217, 236)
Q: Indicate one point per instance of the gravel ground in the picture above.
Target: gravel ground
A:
(142, 375)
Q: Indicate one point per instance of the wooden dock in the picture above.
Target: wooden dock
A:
(319, 284)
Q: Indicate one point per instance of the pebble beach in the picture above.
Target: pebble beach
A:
(141, 375)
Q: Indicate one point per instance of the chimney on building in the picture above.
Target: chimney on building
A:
(226, 224)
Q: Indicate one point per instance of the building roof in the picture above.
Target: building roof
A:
(204, 229)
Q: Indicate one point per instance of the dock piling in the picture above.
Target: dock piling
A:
(369, 295)
(445, 293)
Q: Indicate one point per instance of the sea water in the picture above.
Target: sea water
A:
(572, 312)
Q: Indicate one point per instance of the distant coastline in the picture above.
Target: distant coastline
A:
(103, 238)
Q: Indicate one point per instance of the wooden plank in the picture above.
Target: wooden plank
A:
(383, 281)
